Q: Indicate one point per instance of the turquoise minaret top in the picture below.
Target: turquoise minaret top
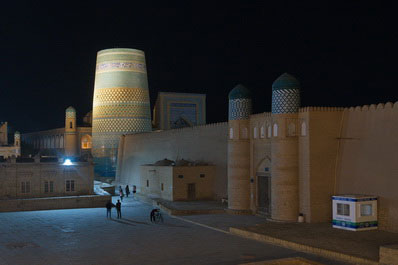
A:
(285, 94)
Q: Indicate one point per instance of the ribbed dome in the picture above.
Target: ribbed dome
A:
(17, 133)
(239, 91)
(286, 81)
(70, 109)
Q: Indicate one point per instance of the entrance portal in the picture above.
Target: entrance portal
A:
(264, 194)
(191, 191)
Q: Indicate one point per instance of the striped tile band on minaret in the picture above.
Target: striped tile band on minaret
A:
(120, 105)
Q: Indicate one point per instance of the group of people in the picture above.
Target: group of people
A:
(109, 205)
(121, 193)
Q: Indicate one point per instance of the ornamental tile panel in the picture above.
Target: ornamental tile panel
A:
(285, 101)
(240, 109)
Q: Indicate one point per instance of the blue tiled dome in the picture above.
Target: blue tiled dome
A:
(70, 109)
(286, 81)
(239, 91)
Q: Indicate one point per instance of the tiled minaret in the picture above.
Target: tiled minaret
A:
(284, 148)
(120, 104)
(240, 109)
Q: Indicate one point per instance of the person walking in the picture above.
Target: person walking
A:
(134, 190)
(121, 194)
(119, 209)
(127, 191)
(109, 206)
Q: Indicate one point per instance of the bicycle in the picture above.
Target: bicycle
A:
(157, 217)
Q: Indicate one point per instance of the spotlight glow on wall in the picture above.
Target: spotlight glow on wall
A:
(67, 162)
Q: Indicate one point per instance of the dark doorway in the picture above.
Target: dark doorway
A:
(191, 191)
(264, 194)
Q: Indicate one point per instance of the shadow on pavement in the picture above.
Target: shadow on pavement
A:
(121, 222)
(136, 222)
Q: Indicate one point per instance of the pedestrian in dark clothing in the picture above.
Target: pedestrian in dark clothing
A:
(127, 191)
(121, 194)
(134, 190)
(119, 209)
(153, 214)
(109, 206)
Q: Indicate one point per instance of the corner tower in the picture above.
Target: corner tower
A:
(70, 132)
(284, 148)
(120, 104)
(240, 109)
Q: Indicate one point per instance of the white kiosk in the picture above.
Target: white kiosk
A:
(354, 212)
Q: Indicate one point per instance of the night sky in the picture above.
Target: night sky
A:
(343, 55)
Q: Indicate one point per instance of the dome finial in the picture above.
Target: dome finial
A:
(286, 81)
(239, 91)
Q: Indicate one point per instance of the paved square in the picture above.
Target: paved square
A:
(86, 236)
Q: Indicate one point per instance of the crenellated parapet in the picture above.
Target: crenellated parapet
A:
(372, 107)
(307, 109)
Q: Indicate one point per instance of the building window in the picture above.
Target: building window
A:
(366, 210)
(303, 129)
(180, 176)
(202, 175)
(231, 133)
(25, 187)
(343, 209)
(255, 132)
(70, 185)
(46, 187)
(269, 132)
(291, 129)
(161, 186)
(147, 183)
(275, 130)
(71, 125)
(86, 142)
(262, 132)
(244, 133)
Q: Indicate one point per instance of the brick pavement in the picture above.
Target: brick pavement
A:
(86, 236)
(320, 239)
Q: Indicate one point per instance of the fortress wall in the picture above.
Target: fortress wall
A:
(368, 158)
(206, 143)
(318, 151)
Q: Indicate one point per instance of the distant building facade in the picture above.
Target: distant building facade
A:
(71, 140)
(9, 150)
(178, 110)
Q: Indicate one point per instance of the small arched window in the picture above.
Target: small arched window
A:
(291, 129)
(231, 133)
(269, 131)
(275, 130)
(86, 142)
(244, 133)
(303, 129)
(262, 132)
(71, 125)
(255, 132)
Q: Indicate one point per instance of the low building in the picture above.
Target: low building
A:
(45, 177)
(178, 181)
